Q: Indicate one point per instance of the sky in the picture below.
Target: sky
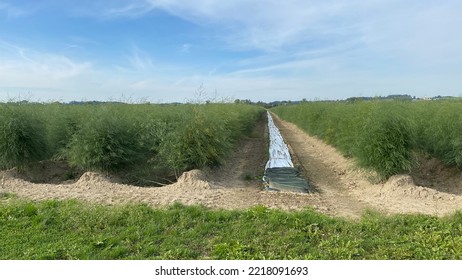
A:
(184, 50)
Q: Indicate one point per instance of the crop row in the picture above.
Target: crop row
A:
(384, 136)
(166, 139)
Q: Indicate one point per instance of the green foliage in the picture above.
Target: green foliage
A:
(141, 139)
(104, 142)
(386, 144)
(22, 137)
(62, 123)
(439, 126)
(198, 144)
(76, 230)
(384, 135)
(207, 136)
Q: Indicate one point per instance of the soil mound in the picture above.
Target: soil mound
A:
(403, 185)
(95, 178)
(398, 181)
(191, 180)
(91, 177)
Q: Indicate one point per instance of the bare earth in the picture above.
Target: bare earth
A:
(339, 189)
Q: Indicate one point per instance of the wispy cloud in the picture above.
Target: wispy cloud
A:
(140, 60)
(272, 26)
(133, 9)
(402, 28)
(269, 25)
(25, 68)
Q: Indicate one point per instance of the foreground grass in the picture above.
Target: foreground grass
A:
(76, 230)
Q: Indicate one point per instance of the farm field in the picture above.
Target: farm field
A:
(227, 181)
(171, 130)
(223, 148)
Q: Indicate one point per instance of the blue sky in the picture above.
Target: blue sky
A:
(164, 50)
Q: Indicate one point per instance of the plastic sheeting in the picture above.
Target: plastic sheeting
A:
(279, 155)
(280, 173)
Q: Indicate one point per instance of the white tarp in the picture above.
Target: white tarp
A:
(279, 155)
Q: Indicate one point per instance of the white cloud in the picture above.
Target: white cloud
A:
(408, 30)
(24, 68)
(266, 25)
(140, 60)
(133, 9)
(53, 66)
(402, 28)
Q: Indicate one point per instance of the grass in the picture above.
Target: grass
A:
(75, 230)
(384, 136)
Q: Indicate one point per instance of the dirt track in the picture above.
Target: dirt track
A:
(339, 189)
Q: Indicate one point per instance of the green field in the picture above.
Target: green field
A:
(150, 142)
(385, 136)
(76, 230)
(157, 141)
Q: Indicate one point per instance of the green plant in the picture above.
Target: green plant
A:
(383, 135)
(105, 142)
(148, 143)
(207, 136)
(22, 137)
(202, 142)
(386, 145)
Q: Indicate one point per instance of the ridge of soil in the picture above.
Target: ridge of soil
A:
(339, 188)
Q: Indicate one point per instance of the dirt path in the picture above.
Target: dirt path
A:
(325, 170)
(339, 189)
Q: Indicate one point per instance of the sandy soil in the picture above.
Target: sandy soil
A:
(338, 188)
